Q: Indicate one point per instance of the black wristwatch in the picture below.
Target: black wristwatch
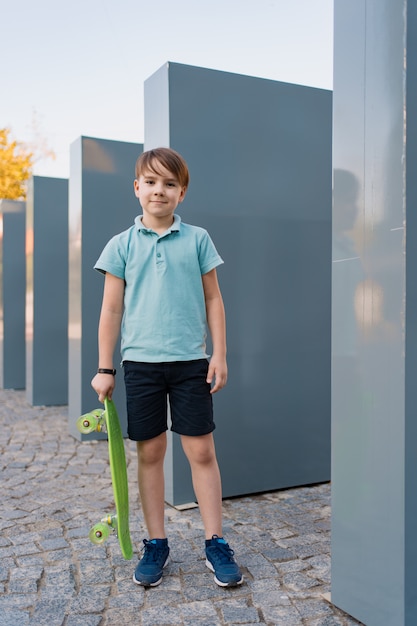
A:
(103, 370)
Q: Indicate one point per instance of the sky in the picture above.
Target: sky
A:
(78, 68)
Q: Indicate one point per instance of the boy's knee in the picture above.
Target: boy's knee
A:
(152, 450)
(204, 457)
(199, 450)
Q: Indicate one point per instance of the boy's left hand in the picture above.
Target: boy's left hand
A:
(217, 371)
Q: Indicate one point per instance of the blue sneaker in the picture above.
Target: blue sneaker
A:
(219, 559)
(149, 569)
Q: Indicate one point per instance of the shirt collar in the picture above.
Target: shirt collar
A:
(174, 227)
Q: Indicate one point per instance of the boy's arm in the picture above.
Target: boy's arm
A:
(108, 333)
(216, 321)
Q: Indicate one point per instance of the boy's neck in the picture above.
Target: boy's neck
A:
(158, 225)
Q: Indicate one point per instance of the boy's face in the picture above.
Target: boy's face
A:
(159, 193)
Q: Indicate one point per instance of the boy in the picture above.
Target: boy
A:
(161, 288)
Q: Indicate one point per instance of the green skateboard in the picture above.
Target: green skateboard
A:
(107, 420)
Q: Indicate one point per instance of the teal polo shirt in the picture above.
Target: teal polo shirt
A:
(164, 315)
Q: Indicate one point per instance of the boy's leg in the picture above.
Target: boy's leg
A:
(151, 455)
(201, 454)
(146, 396)
(192, 417)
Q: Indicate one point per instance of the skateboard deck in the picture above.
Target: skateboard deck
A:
(108, 420)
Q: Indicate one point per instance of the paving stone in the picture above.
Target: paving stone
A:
(262, 571)
(282, 616)
(270, 598)
(196, 621)
(10, 617)
(49, 612)
(4, 542)
(61, 583)
(30, 561)
(25, 549)
(59, 556)
(304, 552)
(14, 514)
(135, 601)
(320, 562)
(51, 535)
(349, 621)
(25, 581)
(163, 597)
(84, 620)
(162, 616)
(90, 599)
(123, 617)
(18, 601)
(234, 614)
(51, 574)
(298, 581)
(92, 573)
(200, 587)
(329, 620)
(80, 532)
(4, 524)
(292, 566)
(4, 573)
(18, 464)
(25, 537)
(197, 610)
(254, 558)
(279, 554)
(314, 608)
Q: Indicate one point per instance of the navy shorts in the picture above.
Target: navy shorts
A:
(182, 383)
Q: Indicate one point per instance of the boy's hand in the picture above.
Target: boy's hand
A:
(104, 385)
(217, 371)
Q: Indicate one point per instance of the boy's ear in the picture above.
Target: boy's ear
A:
(136, 187)
(182, 194)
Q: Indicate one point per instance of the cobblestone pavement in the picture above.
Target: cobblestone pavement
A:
(53, 488)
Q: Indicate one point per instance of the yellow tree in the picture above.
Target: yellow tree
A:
(16, 161)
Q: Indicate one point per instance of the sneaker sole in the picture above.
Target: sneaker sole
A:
(154, 584)
(232, 583)
(143, 584)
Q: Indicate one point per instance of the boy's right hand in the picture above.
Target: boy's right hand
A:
(103, 385)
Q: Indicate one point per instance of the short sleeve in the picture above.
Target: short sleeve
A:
(113, 258)
(208, 256)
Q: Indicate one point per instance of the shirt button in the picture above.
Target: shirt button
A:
(158, 254)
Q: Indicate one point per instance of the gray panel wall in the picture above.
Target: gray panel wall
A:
(47, 291)
(374, 335)
(101, 204)
(410, 461)
(12, 294)
(259, 152)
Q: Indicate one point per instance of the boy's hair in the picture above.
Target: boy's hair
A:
(169, 159)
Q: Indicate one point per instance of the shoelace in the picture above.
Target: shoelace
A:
(222, 553)
(151, 551)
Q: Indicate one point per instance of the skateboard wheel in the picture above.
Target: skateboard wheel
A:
(111, 520)
(99, 533)
(90, 422)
